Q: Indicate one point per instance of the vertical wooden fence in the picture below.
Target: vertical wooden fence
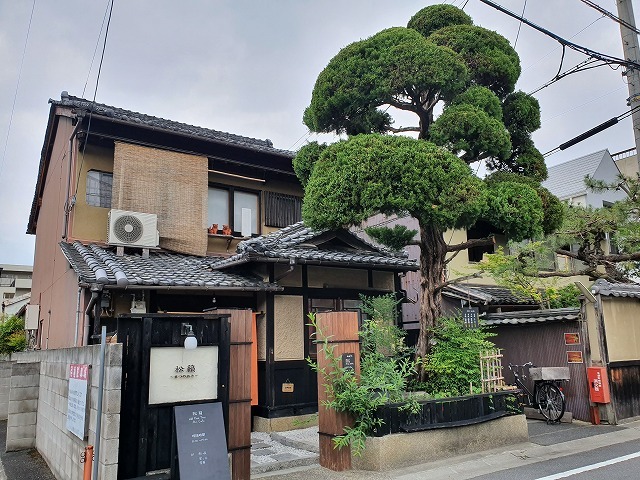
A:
(491, 371)
(341, 331)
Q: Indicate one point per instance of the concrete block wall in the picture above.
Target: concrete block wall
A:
(23, 403)
(59, 447)
(5, 375)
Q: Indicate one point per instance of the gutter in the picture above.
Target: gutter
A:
(193, 288)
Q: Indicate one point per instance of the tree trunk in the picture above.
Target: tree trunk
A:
(433, 251)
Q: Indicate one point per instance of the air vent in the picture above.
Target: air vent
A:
(133, 229)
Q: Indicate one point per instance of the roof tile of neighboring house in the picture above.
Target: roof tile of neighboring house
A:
(607, 289)
(299, 243)
(567, 179)
(532, 316)
(95, 264)
(169, 125)
(486, 295)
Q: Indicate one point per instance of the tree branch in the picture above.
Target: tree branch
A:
(591, 272)
(403, 129)
(402, 105)
(456, 280)
(475, 242)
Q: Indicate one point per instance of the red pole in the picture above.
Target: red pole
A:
(88, 462)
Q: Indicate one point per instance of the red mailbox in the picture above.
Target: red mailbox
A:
(598, 385)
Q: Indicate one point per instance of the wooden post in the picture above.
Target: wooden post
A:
(341, 330)
(240, 371)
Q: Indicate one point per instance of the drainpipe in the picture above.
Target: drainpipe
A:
(78, 312)
(68, 205)
(96, 290)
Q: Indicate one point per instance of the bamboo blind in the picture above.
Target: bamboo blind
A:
(169, 184)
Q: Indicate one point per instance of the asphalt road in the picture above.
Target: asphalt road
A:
(590, 465)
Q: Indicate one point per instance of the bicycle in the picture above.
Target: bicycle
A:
(547, 396)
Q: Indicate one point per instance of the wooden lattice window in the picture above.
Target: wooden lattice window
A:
(281, 210)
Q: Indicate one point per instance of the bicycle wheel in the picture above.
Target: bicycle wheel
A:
(550, 401)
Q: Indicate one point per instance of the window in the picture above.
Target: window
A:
(281, 210)
(479, 230)
(99, 188)
(234, 208)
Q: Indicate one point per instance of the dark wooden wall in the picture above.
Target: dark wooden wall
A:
(624, 381)
(543, 344)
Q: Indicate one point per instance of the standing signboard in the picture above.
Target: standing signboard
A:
(77, 400)
(201, 442)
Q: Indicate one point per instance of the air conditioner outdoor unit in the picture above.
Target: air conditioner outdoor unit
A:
(133, 229)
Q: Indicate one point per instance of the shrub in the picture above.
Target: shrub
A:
(454, 361)
(12, 335)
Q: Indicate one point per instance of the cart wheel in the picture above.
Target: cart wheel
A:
(550, 401)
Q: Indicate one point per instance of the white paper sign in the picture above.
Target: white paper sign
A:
(77, 399)
(180, 375)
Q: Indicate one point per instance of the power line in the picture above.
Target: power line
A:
(589, 133)
(15, 94)
(95, 93)
(564, 42)
(95, 50)
(520, 24)
(610, 15)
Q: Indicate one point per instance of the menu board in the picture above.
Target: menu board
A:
(201, 442)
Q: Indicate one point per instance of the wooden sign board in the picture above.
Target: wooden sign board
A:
(201, 442)
(572, 339)
(574, 357)
(349, 361)
(470, 317)
(77, 400)
(287, 387)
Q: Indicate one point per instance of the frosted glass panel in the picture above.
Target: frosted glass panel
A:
(218, 207)
(245, 200)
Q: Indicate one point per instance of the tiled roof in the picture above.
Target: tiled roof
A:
(604, 288)
(532, 316)
(128, 116)
(486, 295)
(567, 179)
(95, 264)
(299, 243)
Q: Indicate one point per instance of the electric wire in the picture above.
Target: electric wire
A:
(613, 17)
(95, 50)
(95, 93)
(589, 133)
(520, 24)
(574, 46)
(15, 94)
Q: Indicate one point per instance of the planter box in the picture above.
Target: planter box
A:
(443, 413)
(400, 450)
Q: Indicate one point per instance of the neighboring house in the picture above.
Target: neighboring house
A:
(15, 281)
(566, 181)
(627, 162)
(16, 305)
(123, 215)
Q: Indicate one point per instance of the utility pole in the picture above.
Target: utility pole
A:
(631, 52)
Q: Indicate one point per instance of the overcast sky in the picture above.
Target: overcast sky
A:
(248, 67)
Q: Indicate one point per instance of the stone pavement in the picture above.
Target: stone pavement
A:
(277, 451)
